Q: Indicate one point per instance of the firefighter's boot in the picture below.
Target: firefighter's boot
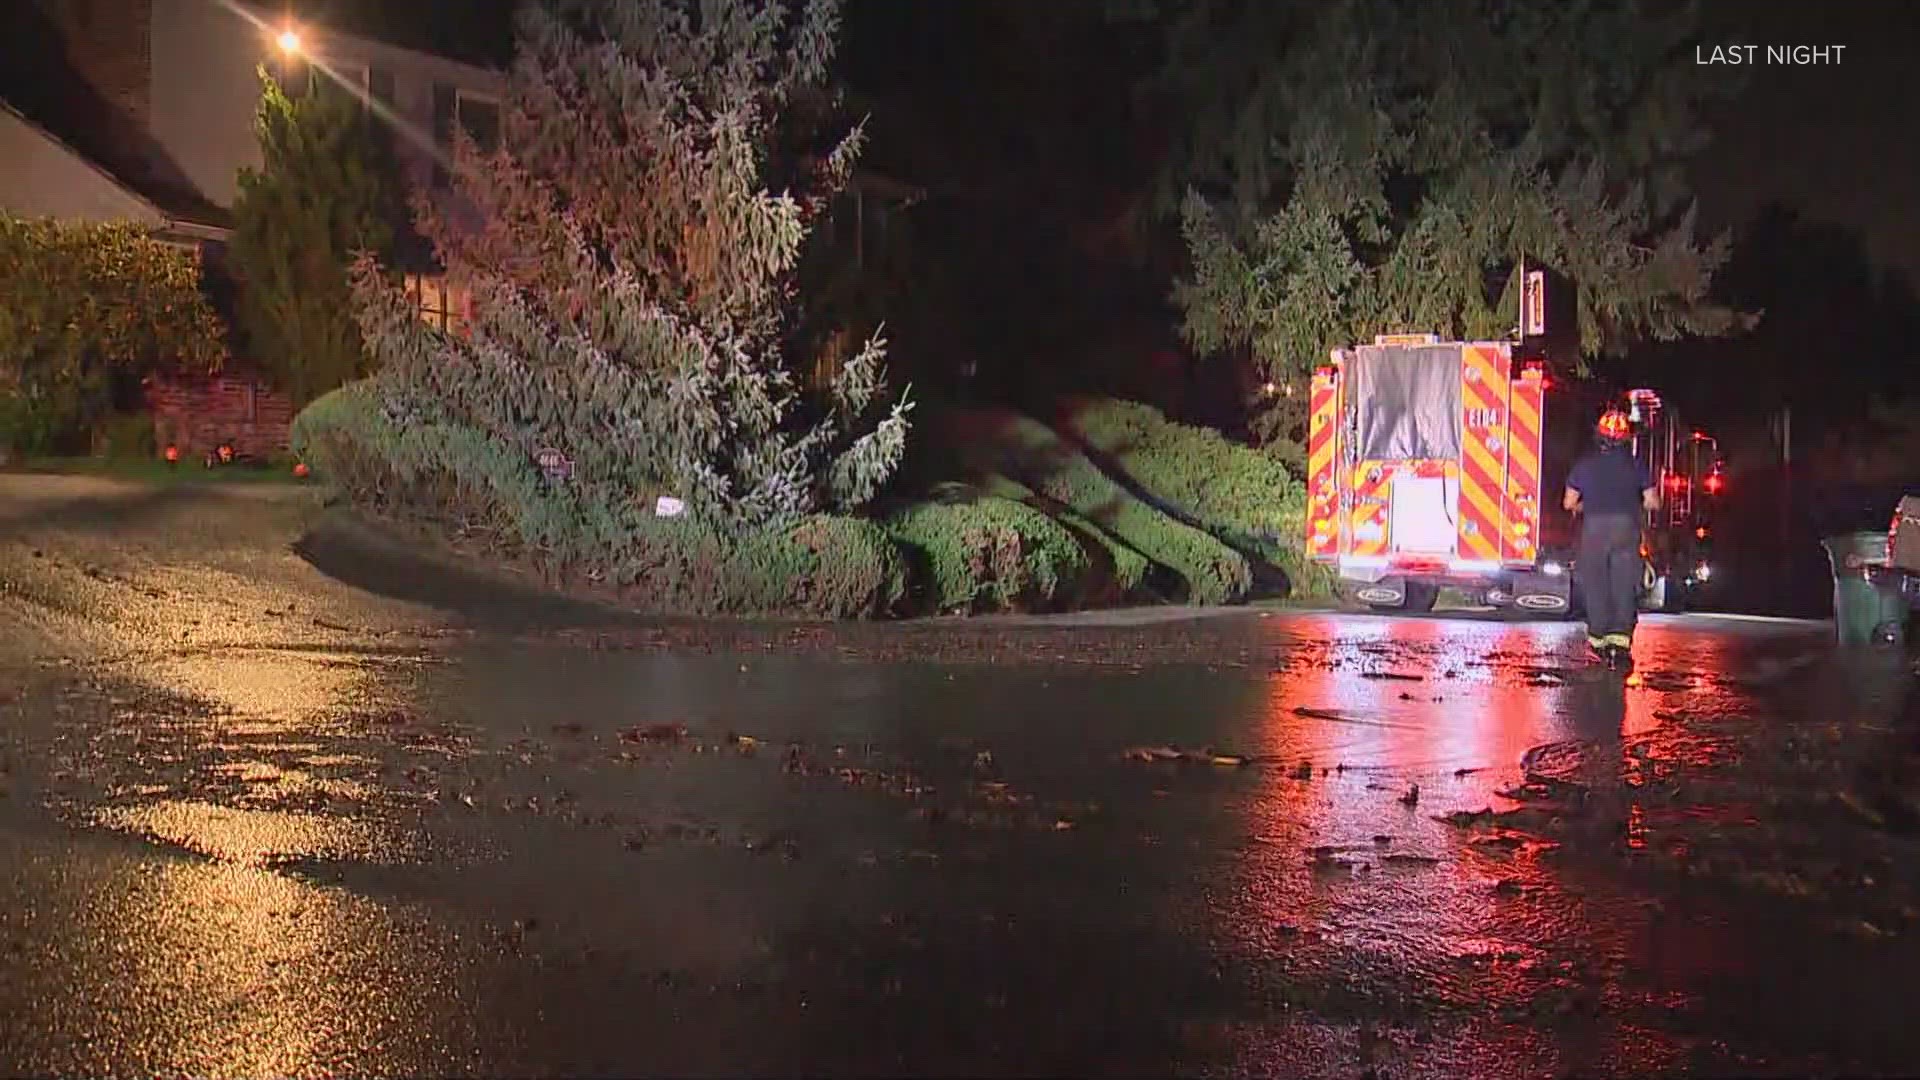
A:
(1619, 650)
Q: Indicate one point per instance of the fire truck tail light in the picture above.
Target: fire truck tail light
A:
(1713, 483)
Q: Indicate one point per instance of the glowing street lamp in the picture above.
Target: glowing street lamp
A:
(289, 42)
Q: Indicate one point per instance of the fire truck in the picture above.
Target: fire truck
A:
(1438, 464)
(1686, 465)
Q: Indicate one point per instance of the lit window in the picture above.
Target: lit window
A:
(428, 293)
(441, 305)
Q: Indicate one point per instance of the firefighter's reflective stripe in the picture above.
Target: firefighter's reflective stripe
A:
(1523, 465)
(1323, 488)
(1369, 522)
(1483, 404)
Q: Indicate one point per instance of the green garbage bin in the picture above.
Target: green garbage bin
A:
(1864, 611)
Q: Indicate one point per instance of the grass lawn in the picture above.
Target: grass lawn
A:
(154, 470)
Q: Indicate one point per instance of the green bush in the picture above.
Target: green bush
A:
(1243, 496)
(990, 552)
(124, 437)
(466, 481)
(1030, 452)
(36, 422)
(87, 305)
(1121, 570)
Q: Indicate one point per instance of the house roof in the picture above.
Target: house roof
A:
(40, 85)
(186, 214)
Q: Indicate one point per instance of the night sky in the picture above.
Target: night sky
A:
(1833, 139)
(1837, 140)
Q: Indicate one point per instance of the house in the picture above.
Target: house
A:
(143, 111)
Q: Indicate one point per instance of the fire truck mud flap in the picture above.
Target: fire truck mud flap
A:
(1397, 594)
(1541, 594)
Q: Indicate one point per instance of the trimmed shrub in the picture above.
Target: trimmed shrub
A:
(90, 306)
(1123, 569)
(825, 566)
(478, 488)
(1030, 452)
(1245, 497)
(990, 552)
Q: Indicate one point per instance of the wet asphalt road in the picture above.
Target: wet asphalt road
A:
(278, 798)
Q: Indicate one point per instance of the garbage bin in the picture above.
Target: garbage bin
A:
(1864, 610)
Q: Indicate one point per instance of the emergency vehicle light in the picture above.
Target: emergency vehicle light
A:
(1700, 533)
(1713, 483)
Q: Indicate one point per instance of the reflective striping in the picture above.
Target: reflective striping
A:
(1526, 406)
(1476, 546)
(1320, 460)
(1523, 466)
(1478, 493)
(1524, 459)
(1478, 454)
(1370, 528)
(1486, 360)
(1482, 466)
(1323, 489)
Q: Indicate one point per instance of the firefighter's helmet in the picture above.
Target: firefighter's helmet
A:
(1614, 427)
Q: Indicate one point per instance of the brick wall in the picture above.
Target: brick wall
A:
(198, 415)
(109, 43)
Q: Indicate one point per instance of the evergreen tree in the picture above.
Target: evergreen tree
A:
(327, 188)
(1367, 166)
(632, 246)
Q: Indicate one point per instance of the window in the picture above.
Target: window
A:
(442, 306)
(344, 82)
(380, 88)
(443, 110)
(477, 114)
(480, 116)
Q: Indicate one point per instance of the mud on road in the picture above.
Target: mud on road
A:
(280, 797)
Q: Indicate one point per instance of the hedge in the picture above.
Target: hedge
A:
(89, 308)
(474, 485)
(1031, 453)
(981, 551)
(1245, 497)
(1121, 571)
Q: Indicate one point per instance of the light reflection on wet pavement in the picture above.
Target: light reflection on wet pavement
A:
(374, 837)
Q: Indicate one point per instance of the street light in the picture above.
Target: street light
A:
(289, 42)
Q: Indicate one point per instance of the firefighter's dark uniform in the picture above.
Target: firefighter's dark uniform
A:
(1611, 483)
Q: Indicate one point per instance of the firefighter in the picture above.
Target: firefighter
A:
(1610, 488)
